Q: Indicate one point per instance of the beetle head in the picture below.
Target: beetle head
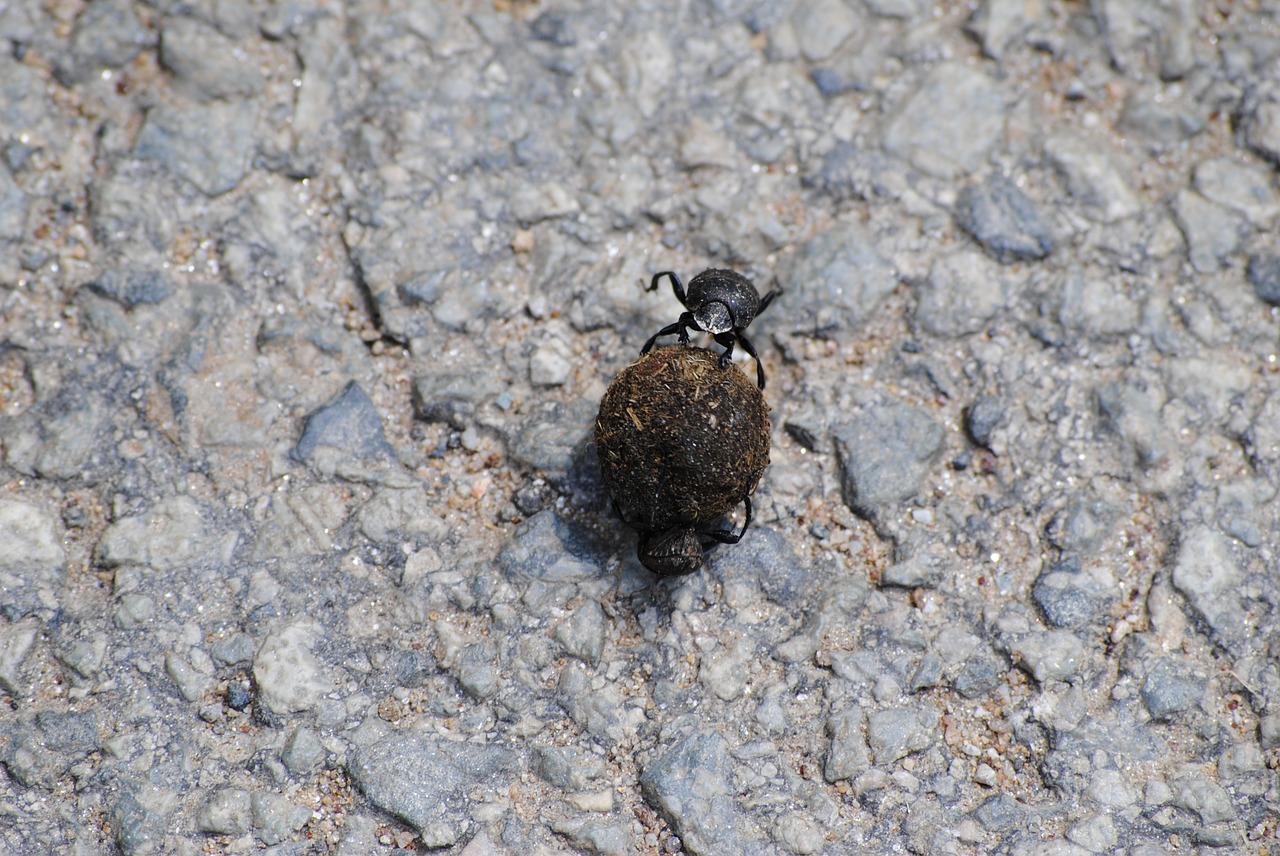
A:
(671, 553)
(713, 317)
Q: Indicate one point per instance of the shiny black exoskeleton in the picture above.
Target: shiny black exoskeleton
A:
(720, 302)
(679, 550)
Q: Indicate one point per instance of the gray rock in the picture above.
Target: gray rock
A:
(16, 642)
(33, 559)
(303, 752)
(140, 818)
(289, 676)
(690, 785)
(132, 287)
(349, 424)
(428, 782)
(1162, 121)
(583, 633)
(963, 291)
(13, 208)
(998, 24)
(567, 768)
(1149, 34)
(885, 451)
(847, 754)
(191, 683)
(73, 734)
(209, 145)
(235, 650)
(476, 672)
(1096, 834)
(597, 836)
(1133, 412)
(894, 734)
(1093, 176)
(1056, 655)
(175, 533)
(1246, 190)
(764, 558)
(1171, 687)
(836, 281)
(983, 418)
(1212, 232)
(1083, 526)
(552, 436)
(1262, 127)
(821, 26)
(950, 123)
(1004, 222)
(1264, 273)
(227, 811)
(1094, 305)
(205, 63)
(1070, 598)
(276, 818)
(453, 397)
(1001, 813)
(1207, 574)
(1197, 793)
(545, 547)
(107, 35)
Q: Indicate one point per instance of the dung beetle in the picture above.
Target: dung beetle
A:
(679, 550)
(720, 302)
(681, 442)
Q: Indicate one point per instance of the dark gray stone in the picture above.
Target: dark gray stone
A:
(1171, 687)
(1001, 813)
(349, 424)
(1068, 597)
(206, 63)
(847, 754)
(885, 451)
(690, 784)
(426, 781)
(133, 287)
(303, 752)
(1004, 222)
(983, 417)
(276, 818)
(896, 733)
(583, 633)
(1264, 273)
(13, 213)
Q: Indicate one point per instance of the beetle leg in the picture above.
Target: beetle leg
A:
(726, 341)
(767, 299)
(728, 536)
(678, 328)
(750, 349)
(676, 285)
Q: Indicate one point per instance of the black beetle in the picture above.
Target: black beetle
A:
(720, 302)
(679, 550)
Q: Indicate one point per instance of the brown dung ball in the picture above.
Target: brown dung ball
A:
(681, 440)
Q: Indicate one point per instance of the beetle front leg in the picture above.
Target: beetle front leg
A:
(726, 341)
(676, 285)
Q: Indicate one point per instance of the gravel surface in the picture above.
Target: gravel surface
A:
(306, 310)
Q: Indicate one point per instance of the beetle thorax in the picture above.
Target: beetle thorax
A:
(713, 317)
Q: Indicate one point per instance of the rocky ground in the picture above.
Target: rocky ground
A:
(307, 309)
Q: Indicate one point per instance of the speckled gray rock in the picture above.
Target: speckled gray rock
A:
(1093, 176)
(1212, 231)
(1070, 597)
(209, 145)
(206, 63)
(288, 675)
(227, 811)
(173, 534)
(303, 752)
(1004, 222)
(107, 35)
(962, 292)
(885, 451)
(582, 634)
(1207, 574)
(427, 782)
(689, 783)
(947, 126)
(836, 280)
(32, 562)
(896, 733)
(1170, 687)
(276, 818)
(1055, 655)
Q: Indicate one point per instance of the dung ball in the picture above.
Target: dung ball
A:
(681, 440)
